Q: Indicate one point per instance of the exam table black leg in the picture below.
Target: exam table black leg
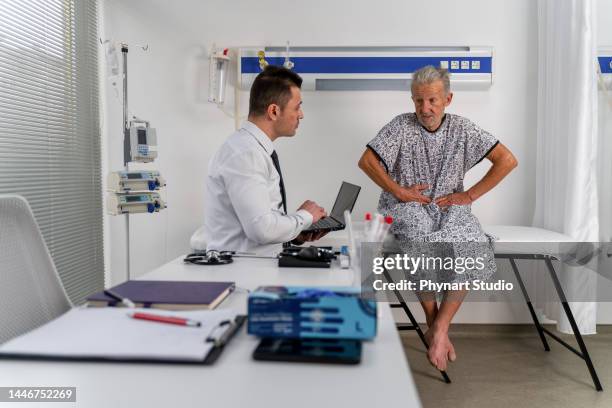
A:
(568, 312)
(413, 322)
(536, 322)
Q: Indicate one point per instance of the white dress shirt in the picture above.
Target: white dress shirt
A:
(243, 203)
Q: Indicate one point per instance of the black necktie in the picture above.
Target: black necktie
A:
(281, 184)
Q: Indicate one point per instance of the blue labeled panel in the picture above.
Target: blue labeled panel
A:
(373, 65)
(605, 64)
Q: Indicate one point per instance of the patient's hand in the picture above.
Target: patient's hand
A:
(462, 198)
(412, 193)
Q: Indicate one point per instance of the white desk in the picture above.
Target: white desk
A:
(235, 380)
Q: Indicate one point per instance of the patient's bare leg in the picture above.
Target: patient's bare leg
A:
(440, 347)
(429, 305)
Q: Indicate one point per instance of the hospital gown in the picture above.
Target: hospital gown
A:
(412, 155)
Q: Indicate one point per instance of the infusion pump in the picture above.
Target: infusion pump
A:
(126, 181)
(146, 202)
(140, 142)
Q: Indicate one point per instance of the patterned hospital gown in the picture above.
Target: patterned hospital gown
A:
(412, 155)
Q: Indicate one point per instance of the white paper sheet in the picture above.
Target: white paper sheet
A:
(111, 333)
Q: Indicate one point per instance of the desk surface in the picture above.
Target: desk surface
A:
(382, 379)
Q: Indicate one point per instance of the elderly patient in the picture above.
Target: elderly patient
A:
(420, 160)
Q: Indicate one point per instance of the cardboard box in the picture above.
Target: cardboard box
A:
(311, 312)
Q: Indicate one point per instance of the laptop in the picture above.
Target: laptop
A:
(347, 196)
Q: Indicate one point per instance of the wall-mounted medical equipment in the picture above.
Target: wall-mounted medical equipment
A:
(140, 142)
(219, 65)
(368, 68)
(126, 181)
(133, 203)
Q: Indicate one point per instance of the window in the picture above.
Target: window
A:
(50, 130)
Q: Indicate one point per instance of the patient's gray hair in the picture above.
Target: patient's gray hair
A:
(429, 74)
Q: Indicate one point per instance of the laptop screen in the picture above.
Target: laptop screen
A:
(345, 201)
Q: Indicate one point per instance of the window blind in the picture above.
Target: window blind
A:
(50, 130)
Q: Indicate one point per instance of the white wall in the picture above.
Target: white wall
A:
(164, 89)
(604, 34)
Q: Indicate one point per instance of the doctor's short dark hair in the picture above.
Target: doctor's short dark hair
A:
(272, 86)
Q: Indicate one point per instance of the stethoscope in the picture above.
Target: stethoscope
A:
(214, 257)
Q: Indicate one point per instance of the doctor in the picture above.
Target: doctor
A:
(245, 199)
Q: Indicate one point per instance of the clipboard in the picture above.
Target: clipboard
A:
(203, 347)
(225, 338)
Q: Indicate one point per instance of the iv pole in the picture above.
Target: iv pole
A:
(126, 130)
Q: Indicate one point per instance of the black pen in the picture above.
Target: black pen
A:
(126, 302)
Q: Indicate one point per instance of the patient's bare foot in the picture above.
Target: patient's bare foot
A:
(439, 348)
(452, 356)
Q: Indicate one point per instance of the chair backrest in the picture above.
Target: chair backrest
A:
(197, 241)
(31, 292)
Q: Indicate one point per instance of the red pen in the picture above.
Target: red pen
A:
(165, 319)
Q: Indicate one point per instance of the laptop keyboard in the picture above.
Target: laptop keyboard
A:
(324, 223)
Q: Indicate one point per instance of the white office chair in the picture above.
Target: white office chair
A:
(31, 292)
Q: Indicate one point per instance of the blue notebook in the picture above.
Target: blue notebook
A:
(169, 295)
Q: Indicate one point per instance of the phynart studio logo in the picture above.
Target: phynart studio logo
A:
(426, 285)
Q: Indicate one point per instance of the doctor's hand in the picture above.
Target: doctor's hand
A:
(462, 198)
(412, 193)
(314, 209)
(309, 237)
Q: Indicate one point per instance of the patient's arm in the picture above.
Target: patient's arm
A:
(370, 164)
(503, 162)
